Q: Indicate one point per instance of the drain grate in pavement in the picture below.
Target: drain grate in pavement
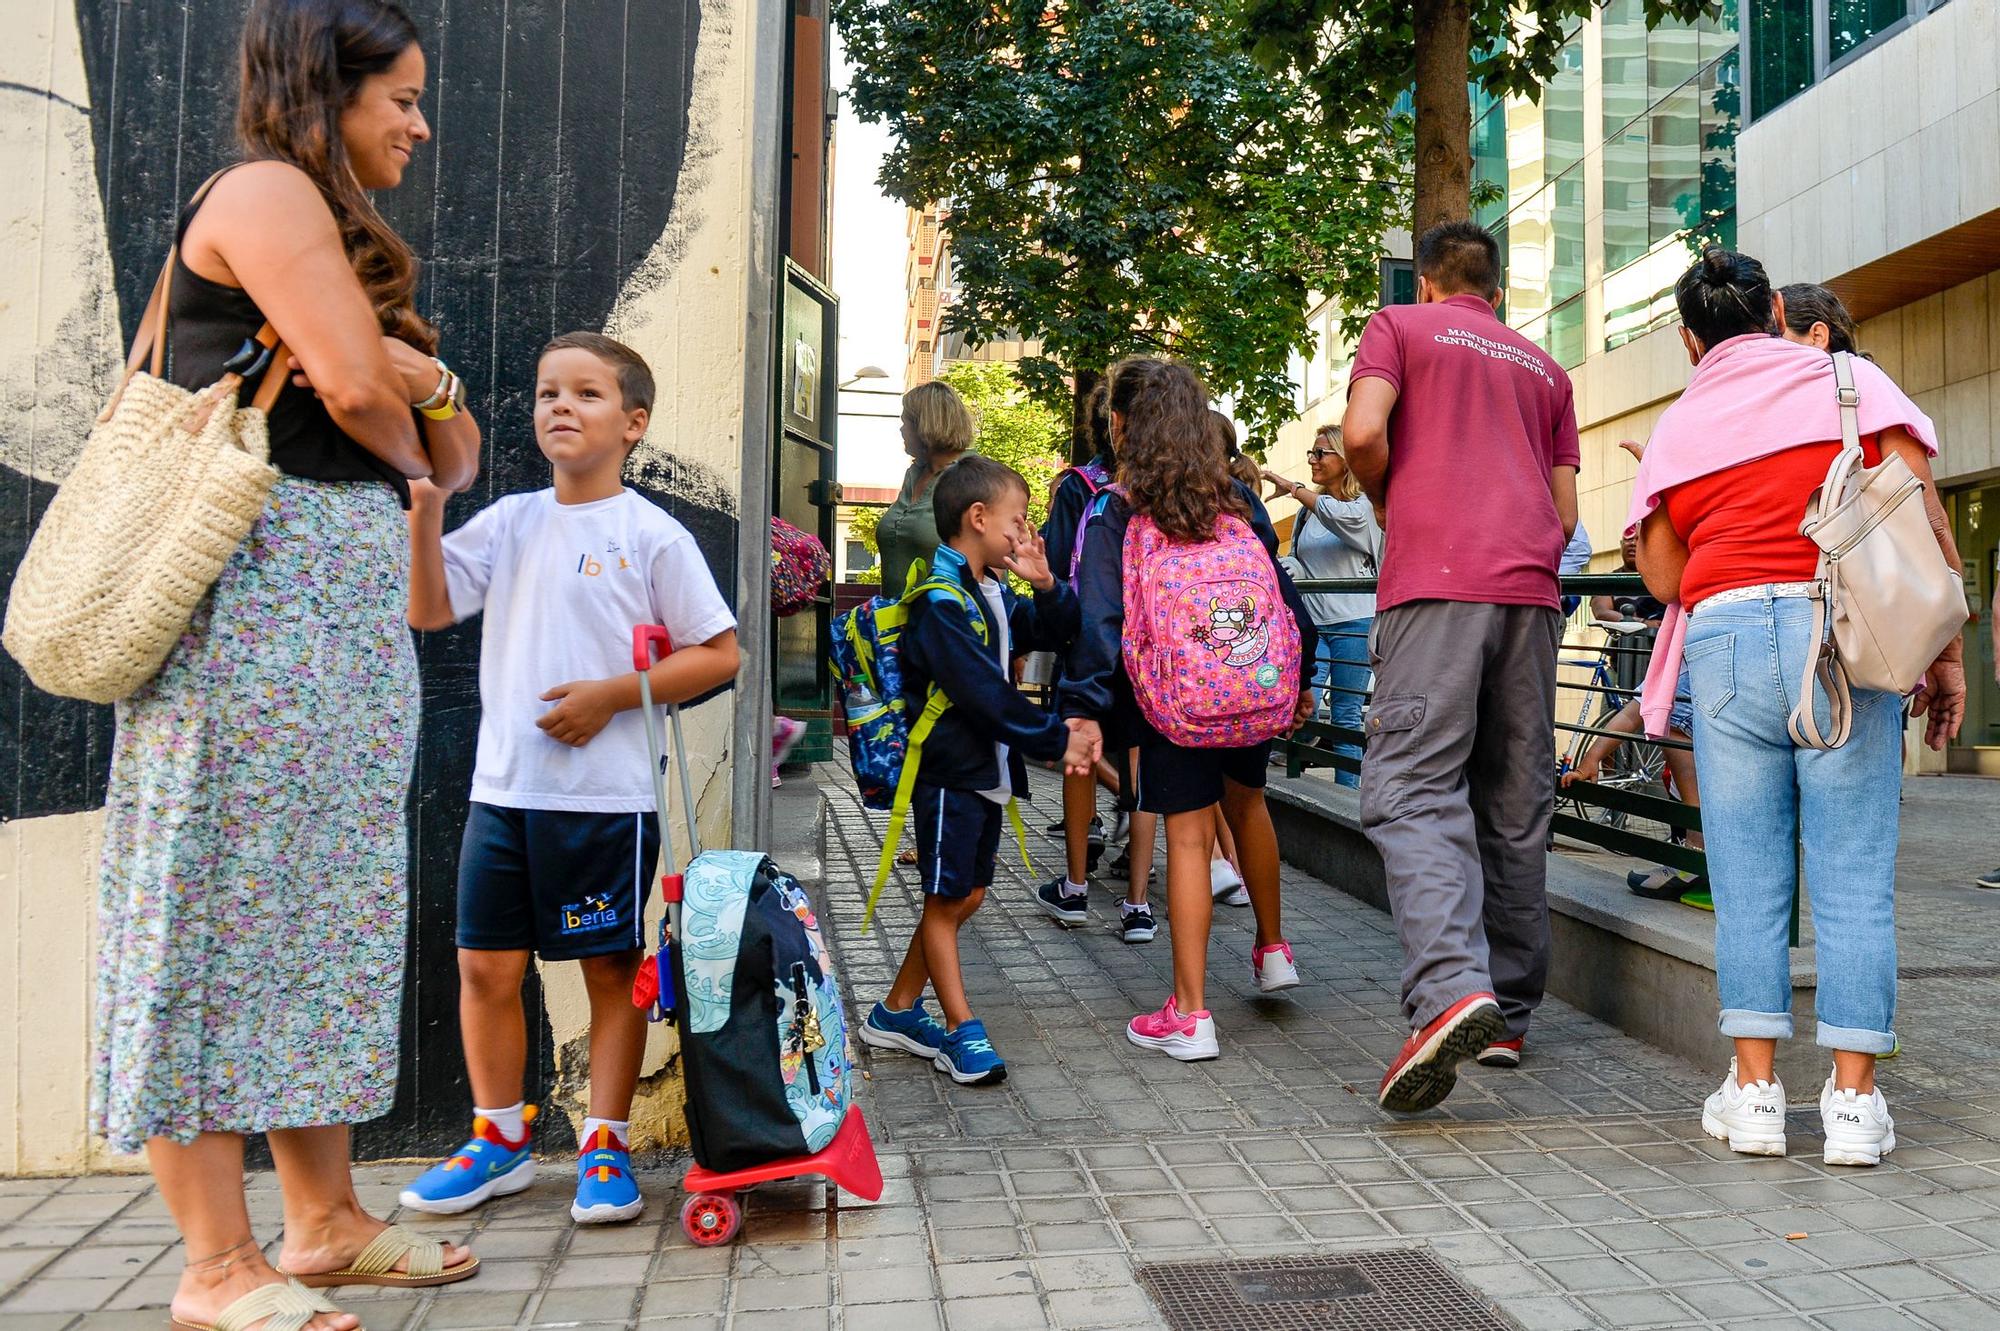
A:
(1949, 973)
(1394, 1289)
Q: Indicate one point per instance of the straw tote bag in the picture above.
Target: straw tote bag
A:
(1893, 601)
(166, 488)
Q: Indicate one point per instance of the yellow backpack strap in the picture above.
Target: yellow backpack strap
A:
(1020, 833)
(906, 784)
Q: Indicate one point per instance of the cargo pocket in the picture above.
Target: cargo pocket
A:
(1393, 727)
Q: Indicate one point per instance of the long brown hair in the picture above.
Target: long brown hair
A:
(303, 63)
(1170, 457)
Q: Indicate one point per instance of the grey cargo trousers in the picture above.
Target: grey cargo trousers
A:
(1456, 791)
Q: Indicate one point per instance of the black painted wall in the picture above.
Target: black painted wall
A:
(561, 130)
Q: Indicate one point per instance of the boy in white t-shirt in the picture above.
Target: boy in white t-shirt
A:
(560, 845)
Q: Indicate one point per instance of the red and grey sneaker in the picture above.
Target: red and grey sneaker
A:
(1426, 1068)
(1501, 1054)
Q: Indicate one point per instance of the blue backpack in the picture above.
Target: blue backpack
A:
(885, 745)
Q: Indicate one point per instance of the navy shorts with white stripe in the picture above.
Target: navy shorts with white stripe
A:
(958, 839)
(564, 884)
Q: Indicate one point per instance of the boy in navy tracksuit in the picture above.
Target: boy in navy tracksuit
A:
(963, 640)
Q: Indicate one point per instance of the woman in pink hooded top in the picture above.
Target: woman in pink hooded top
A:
(1722, 488)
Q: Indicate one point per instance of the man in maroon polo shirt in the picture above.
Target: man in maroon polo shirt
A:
(1464, 433)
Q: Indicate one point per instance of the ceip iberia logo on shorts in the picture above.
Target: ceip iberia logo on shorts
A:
(589, 915)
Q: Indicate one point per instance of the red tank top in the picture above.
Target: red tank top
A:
(1741, 525)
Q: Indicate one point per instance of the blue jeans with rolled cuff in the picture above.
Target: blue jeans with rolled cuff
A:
(1342, 663)
(1762, 796)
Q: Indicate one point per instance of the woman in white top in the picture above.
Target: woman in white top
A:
(1336, 536)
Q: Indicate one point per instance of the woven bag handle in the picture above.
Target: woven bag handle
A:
(151, 343)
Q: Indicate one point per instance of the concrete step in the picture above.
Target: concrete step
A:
(1646, 967)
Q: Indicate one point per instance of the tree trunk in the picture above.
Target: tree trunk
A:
(1444, 113)
(1082, 440)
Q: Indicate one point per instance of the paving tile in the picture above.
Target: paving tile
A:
(1007, 1312)
(894, 1317)
(482, 1308)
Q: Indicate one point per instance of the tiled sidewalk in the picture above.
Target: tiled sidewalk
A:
(1577, 1191)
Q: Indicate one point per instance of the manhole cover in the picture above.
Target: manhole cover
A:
(1395, 1289)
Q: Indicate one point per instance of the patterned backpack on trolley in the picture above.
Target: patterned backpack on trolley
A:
(763, 1034)
(1210, 646)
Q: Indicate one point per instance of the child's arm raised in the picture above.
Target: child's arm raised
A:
(584, 707)
(430, 600)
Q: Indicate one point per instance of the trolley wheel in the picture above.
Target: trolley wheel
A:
(711, 1219)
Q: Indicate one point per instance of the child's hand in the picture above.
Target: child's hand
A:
(1086, 747)
(1030, 562)
(582, 708)
(1302, 712)
(1586, 769)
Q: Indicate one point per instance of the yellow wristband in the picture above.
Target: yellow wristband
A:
(452, 389)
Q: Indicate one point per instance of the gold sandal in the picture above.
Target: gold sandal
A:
(377, 1264)
(287, 1306)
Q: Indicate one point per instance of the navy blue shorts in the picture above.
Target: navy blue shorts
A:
(958, 840)
(566, 885)
(1172, 779)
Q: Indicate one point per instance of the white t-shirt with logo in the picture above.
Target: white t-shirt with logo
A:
(562, 586)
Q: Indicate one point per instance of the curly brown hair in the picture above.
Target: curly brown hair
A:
(302, 63)
(1170, 456)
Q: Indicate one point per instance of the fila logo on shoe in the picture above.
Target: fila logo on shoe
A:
(1763, 1109)
(1846, 1117)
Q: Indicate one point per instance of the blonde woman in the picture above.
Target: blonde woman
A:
(1337, 536)
(937, 429)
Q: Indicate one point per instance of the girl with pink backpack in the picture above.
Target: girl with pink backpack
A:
(1189, 656)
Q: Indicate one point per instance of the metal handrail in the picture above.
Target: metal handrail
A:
(1312, 745)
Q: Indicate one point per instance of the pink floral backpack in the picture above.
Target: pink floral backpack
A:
(1210, 646)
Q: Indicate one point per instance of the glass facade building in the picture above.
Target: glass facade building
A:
(1644, 170)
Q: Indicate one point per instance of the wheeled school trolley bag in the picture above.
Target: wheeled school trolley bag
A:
(743, 972)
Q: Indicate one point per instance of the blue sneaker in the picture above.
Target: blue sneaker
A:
(914, 1032)
(605, 1188)
(488, 1165)
(967, 1056)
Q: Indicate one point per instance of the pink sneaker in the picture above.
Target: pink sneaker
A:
(1187, 1037)
(1273, 968)
(785, 735)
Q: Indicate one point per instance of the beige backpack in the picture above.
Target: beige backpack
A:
(1893, 601)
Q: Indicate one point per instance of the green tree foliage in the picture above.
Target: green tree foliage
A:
(1361, 56)
(1119, 177)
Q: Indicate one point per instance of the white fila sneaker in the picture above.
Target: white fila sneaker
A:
(1750, 1118)
(1859, 1130)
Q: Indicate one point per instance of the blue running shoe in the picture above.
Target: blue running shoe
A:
(967, 1056)
(605, 1188)
(488, 1165)
(914, 1032)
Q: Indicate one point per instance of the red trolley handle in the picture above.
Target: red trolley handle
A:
(644, 636)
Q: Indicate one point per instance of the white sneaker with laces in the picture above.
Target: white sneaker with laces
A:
(1750, 1118)
(1859, 1130)
(1223, 880)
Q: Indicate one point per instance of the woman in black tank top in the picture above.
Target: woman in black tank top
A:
(252, 895)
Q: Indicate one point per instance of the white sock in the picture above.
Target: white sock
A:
(511, 1121)
(1074, 889)
(1128, 907)
(620, 1128)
